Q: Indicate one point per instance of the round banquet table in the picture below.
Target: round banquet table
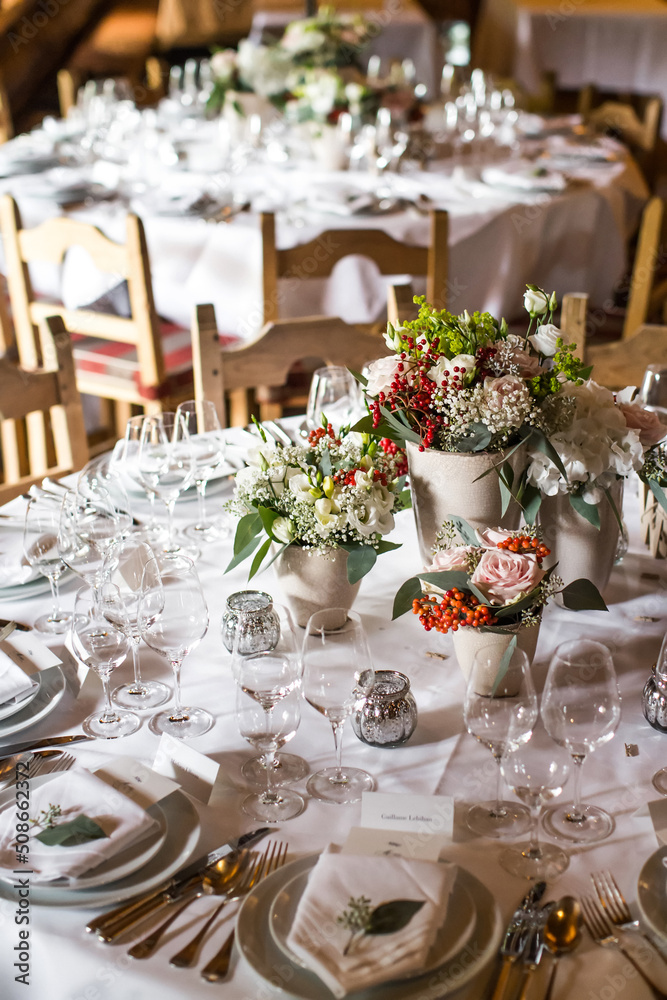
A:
(440, 758)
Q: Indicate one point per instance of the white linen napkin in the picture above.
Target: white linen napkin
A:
(75, 792)
(525, 176)
(319, 941)
(13, 681)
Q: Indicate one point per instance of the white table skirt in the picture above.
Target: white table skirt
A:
(70, 965)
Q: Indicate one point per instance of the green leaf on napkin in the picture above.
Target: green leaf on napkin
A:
(73, 833)
(387, 918)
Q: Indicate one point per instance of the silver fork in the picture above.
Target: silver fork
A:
(615, 906)
(46, 765)
(602, 933)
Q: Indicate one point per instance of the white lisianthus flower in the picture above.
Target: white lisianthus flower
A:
(301, 488)
(282, 529)
(535, 302)
(223, 65)
(381, 374)
(300, 37)
(370, 520)
(363, 479)
(443, 370)
(382, 498)
(325, 515)
(545, 339)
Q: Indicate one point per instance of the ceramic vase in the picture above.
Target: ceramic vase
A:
(444, 483)
(468, 641)
(329, 147)
(312, 581)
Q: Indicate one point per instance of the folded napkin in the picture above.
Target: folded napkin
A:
(320, 942)
(75, 792)
(525, 176)
(14, 682)
(597, 149)
(13, 570)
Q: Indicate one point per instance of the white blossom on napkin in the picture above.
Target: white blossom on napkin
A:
(318, 940)
(76, 792)
(14, 682)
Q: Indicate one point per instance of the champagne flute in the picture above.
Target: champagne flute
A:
(174, 632)
(102, 648)
(581, 709)
(166, 463)
(337, 675)
(135, 573)
(40, 548)
(500, 710)
(268, 711)
(208, 450)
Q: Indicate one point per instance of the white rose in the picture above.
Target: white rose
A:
(545, 340)
(381, 374)
(446, 367)
(535, 302)
(370, 520)
(300, 487)
(282, 529)
(223, 65)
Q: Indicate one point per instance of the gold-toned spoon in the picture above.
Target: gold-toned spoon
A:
(562, 933)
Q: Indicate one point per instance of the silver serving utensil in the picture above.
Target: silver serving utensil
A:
(515, 936)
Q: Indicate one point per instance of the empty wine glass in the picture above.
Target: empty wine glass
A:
(653, 391)
(208, 452)
(536, 775)
(166, 463)
(659, 680)
(268, 712)
(124, 461)
(100, 477)
(581, 710)
(500, 710)
(334, 392)
(87, 533)
(40, 548)
(102, 648)
(174, 632)
(135, 573)
(337, 676)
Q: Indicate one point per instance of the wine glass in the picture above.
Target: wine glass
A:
(337, 675)
(87, 533)
(100, 477)
(135, 573)
(102, 648)
(334, 391)
(208, 450)
(659, 779)
(166, 463)
(40, 548)
(125, 461)
(653, 391)
(581, 709)
(174, 632)
(500, 710)
(536, 775)
(268, 712)
(259, 625)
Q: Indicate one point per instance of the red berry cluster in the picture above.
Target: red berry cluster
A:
(525, 544)
(455, 610)
(320, 432)
(390, 447)
(347, 478)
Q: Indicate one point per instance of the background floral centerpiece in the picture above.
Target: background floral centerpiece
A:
(252, 69)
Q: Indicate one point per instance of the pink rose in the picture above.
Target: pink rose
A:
(497, 390)
(528, 365)
(647, 422)
(490, 537)
(503, 577)
(447, 559)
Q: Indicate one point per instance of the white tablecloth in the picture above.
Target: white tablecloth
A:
(69, 965)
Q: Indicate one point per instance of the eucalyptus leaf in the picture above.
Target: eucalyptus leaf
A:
(612, 504)
(504, 664)
(659, 493)
(385, 546)
(477, 439)
(77, 831)
(531, 503)
(466, 533)
(360, 561)
(249, 526)
(582, 595)
(399, 423)
(325, 463)
(268, 516)
(405, 596)
(543, 444)
(589, 511)
(387, 918)
(359, 377)
(405, 497)
(259, 556)
(243, 554)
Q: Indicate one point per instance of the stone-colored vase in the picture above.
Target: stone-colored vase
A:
(468, 641)
(311, 581)
(443, 483)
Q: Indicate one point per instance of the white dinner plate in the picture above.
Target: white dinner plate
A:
(51, 690)
(254, 940)
(179, 818)
(113, 869)
(21, 701)
(652, 892)
(453, 934)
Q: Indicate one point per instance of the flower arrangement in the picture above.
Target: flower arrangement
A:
(334, 491)
(491, 580)
(326, 40)
(258, 69)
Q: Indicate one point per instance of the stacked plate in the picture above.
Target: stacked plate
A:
(471, 931)
(652, 893)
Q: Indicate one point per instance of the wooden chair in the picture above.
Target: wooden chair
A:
(317, 258)
(145, 94)
(634, 119)
(52, 392)
(6, 126)
(573, 321)
(625, 361)
(134, 361)
(243, 373)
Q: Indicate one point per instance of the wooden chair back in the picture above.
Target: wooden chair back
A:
(645, 293)
(573, 321)
(633, 118)
(239, 372)
(318, 257)
(51, 391)
(401, 307)
(6, 126)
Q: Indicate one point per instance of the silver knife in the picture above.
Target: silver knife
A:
(8, 766)
(50, 741)
(114, 923)
(514, 937)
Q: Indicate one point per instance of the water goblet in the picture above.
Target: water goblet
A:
(500, 710)
(337, 676)
(124, 461)
(88, 530)
(208, 450)
(536, 775)
(581, 710)
(102, 648)
(100, 478)
(268, 712)
(136, 573)
(174, 632)
(40, 548)
(166, 463)
(334, 392)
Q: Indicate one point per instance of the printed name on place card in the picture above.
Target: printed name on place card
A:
(194, 771)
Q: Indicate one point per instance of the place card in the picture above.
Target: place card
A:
(138, 782)
(364, 840)
(26, 650)
(194, 771)
(424, 815)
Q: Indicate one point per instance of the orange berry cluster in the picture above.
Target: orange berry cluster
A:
(455, 610)
(524, 544)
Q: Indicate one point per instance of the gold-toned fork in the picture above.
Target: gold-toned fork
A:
(616, 908)
(602, 933)
(218, 967)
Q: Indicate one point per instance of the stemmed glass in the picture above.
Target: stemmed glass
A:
(102, 648)
(500, 710)
(40, 547)
(581, 710)
(174, 632)
(334, 391)
(659, 779)
(337, 676)
(100, 478)
(536, 775)
(135, 573)
(125, 461)
(208, 451)
(268, 712)
(87, 533)
(166, 464)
